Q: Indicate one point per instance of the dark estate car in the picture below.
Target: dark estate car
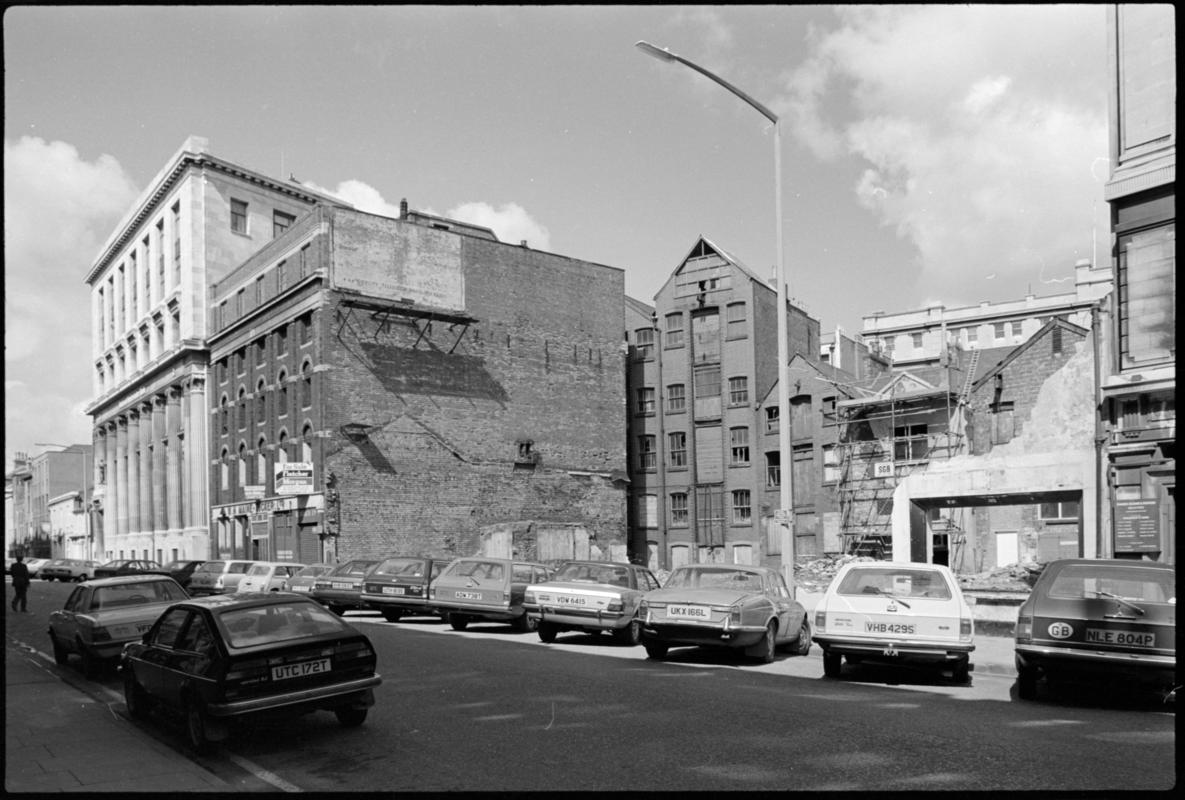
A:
(399, 586)
(129, 566)
(340, 589)
(481, 588)
(1099, 619)
(182, 570)
(222, 658)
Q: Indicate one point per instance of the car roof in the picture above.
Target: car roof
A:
(742, 567)
(124, 579)
(1112, 562)
(230, 602)
(600, 563)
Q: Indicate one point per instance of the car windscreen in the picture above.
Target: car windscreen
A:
(407, 567)
(1076, 581)
(211, 566)
(353, 568)
(713, 578)
(278, 622)
(313, 570)
(594, 573)
(133, 594)
(482, 570)
(899, 581)
(259, 569)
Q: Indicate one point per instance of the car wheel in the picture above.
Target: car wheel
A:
(1026, 683)
(80, 579)
(962, 670)
(60, 654)
(392, 614)
(196, 723)
(547, 632)
(832, 664)
(802, 645)
(630, 635)
(656, 650)
(91, 664)
(763, 651)
(458, 621)
(339, 610)
(133, 695)
(350, 717)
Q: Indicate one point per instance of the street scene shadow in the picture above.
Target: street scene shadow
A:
(1111, 695)
(900, 675)
(715, 656)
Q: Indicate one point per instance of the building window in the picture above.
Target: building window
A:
(972, 336)
(737, 323)
(678, 509)
(260, 403)
(910, 442)
(1055, 340)
(282, 448)
(707, 392)
(677, 450)
(304, 261)
(224, 470)
(306, 328)
(647, 456)
(831, 468)
(306, 444)
(238, 216)
(772, 413)
(282, 391)
(648, 510)
(742, 510)
(917, 341)
(282, 340)
(773, 469)
(160, 258)
(801, 424)
(242, 465)
(1002, 422)
(644, 342)
(306, 385)
(998, 330)
(676, 398)
(738, 391)
(260, 351)
(259, 291)
(281, 276)
(242, 409)
(1147, 296)
(224, 416)
(176, 244)
(1017, 328)
(261, 461)
(645, 400)
(674, 330)
(739, 446)
(1065, 511)
(281, 222)
(241, 362)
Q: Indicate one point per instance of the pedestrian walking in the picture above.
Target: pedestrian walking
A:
(20, 584)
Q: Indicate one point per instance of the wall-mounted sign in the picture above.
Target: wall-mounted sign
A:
(882, 469)
(1137, 526)
(294, 477)
(254, 491)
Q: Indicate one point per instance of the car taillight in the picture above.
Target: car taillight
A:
(432, 593)
(218, 583)
(615, 605)
(529, 596)
(1024, 627)
(353, 650)
(820, 620)
(965, 629)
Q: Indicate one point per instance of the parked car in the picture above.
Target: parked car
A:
(218, 577)
(103, 615)
(480, 588)
(129, 566)
(738, 606)
(69, 569)
(302, 582)
(591, 596)
(182, 570)
(895, 613)
(268, 576)
(221, 659)
(35, 565)
(399, 586)
(1099, 619)
(340, 589)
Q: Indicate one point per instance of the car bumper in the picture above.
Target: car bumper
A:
(903, 649)
(337, 598)
(495, 613)
(207, 590)
(695, 634)
(589, 620)
(358, 692)
(399, 601)
(1087, 661)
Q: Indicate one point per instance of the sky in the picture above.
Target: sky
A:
(934, 153)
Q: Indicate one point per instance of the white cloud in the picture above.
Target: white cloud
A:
(510, 223)
(977, 147)
(59, 209)
(362, 196)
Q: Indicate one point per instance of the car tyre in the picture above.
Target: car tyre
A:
(459, 622)
(350, 717)
(60, 654)
(196, 722)
(802, 645)
(630, 635)
(91, 664)
(764, 650)
(1026, 683)
(525, 624)
(547, 632)
(962, 671)
(134, 696)
(392, 614)
(832, 664)
(339, 610)
(656, 650)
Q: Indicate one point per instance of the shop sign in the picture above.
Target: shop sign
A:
(294, 477)
(1137, 526)
(254, 491)
(882, 469)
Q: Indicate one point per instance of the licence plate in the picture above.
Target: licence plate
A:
(339, 585)
(1131, 638)
(393, 590)
(565, 600)
(468, 595)
(300, 669)
(890, 627)
(689, 612)
(299, 588)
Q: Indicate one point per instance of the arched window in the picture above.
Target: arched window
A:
(242, 465)
(224, 414)
(282, 394)
(260, 403)
(282, 448)
(306, 385)
(261, 461)
(306, 444)
(224, 469)
(242, 408)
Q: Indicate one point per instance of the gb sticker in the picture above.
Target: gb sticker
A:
(1060, 630)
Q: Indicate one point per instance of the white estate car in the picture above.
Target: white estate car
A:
(895, 612)
(268, 576)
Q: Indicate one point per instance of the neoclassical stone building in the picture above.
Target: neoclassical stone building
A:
(200, 217)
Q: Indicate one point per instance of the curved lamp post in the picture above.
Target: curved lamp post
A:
(785, 514)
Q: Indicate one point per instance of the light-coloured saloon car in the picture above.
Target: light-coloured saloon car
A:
(218, 577)
(895, 612)
(591, 596)
(268, 576)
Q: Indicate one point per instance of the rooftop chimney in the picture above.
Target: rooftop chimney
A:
(403, 208)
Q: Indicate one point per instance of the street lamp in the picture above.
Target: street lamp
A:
(86, 513)
(785, 514)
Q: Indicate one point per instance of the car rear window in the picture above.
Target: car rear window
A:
(313, 570)
(133, 594)
(239, 566)
(279, 622)
(595, 573)
(899, 581)
(212, 566)
(353, 568)
(259, 569)
(1076, 581)
(482, 570)
(714, 578)
(412, 567)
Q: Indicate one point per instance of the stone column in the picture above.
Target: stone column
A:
(146, 457)
(101, 478)
(195, 434)
(174, 488)
(133, 471)
(160, 446)
(121, 478)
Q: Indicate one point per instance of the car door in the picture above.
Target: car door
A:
(779, 594)
(63, 622)
(157, 660)
(194, 655)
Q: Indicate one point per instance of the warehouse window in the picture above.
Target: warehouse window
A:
(645, 400)
(281, 222)
(676, 398)
(238, 216)
(644, 342)
(678, 508)
(647, 456)
(678, 450)
(739, 442)
(674, 330)
(1065, 511)
(738, 391)
(742, 510)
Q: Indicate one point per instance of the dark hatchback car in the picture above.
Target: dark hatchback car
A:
(182, 571)
(340, 589)
(1099, 619)
(129, 566)
(223, 658)
(399, 586)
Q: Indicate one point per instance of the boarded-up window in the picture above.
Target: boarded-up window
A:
(709, 461)
(705, 332)
(707, 392)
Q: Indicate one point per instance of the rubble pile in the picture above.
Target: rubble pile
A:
(815, 573)
(1010, 578)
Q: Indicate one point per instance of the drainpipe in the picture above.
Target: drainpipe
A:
(1099, 439)
(660, 453)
